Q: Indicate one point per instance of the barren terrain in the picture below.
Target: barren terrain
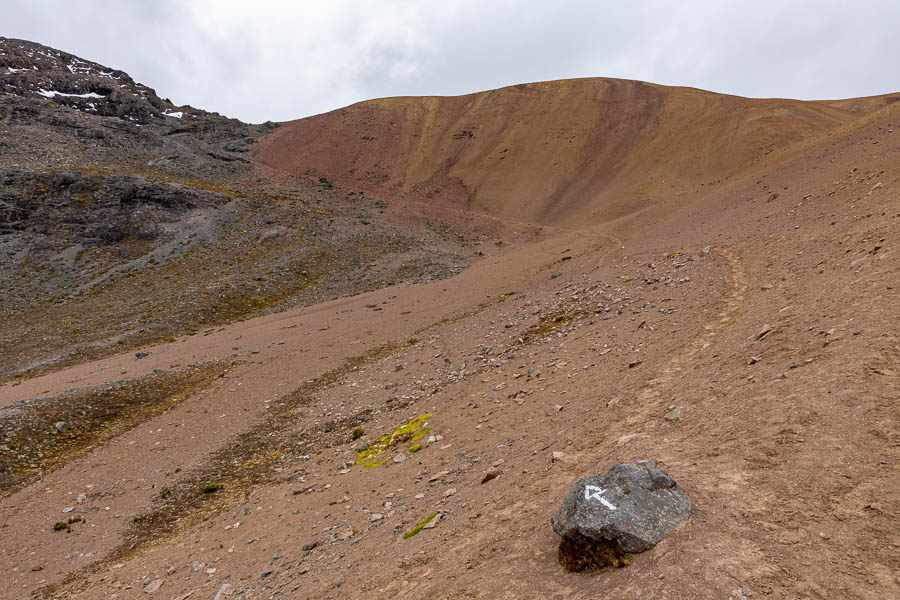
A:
(621, 271)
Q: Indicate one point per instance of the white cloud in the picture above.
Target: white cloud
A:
(280, 60)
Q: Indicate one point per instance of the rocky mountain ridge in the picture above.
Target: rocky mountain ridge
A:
(107, 190)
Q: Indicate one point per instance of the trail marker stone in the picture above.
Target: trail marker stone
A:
(604, 519)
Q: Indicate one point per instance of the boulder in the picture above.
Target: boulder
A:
(603, 519)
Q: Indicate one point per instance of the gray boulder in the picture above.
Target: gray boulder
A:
(604, 519)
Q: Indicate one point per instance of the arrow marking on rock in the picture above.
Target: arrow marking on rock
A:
(592, 492)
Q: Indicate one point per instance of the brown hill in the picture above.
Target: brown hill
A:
(558, 152)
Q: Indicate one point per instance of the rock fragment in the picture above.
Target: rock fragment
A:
(605, 518)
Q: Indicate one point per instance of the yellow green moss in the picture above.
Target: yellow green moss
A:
(419, 527)
(409, 433)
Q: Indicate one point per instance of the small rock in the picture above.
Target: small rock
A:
(399, 458)
(376, 517)
(224, 592)
(433, 522)
(61, 426)
(310, 545)
(492, 474)
(265, 574)
(704, 251)
(274, 233)
(766, 330)
(559, 457)
(634, 363)
(153, 586)
(438, 475)
(449, 492)
(673, 415)
(753, 360)
(68, 509)
(140, 355)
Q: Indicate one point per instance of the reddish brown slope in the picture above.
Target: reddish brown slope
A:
(551, 152)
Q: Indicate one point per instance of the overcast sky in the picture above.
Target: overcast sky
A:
(264, 60)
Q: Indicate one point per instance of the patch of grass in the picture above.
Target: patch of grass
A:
(586, 554)
(673, 255)
(419, 527)
(94, 415)
(358, 433)
(67, 525)
(211, 488)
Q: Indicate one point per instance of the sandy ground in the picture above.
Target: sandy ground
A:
(790, 462)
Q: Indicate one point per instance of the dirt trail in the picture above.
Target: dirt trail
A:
(732, 301)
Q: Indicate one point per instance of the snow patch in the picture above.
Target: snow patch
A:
(176, 114)
(53, 93)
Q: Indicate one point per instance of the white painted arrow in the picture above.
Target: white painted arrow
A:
(592, 492)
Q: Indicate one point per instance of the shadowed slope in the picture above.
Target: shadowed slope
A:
(552, 152)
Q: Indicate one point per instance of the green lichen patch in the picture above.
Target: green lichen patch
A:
(419, 527)
(410, 433)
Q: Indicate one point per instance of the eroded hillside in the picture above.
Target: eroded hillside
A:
(560, 152)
